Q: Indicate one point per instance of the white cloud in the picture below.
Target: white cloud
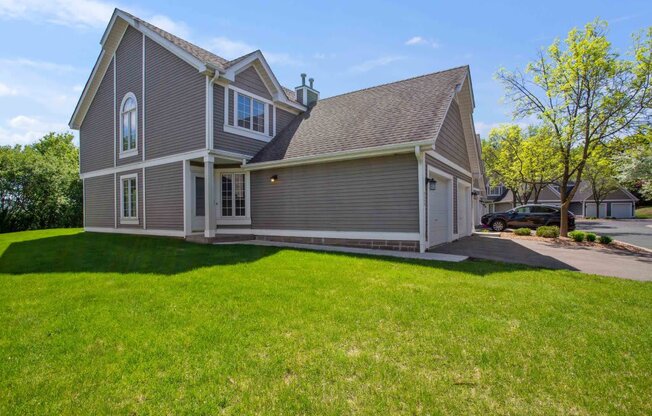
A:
(375, 63)
(418, 40)
(231, 49)
(25, 130)
(74, 13)
(180, 29)
(38, 65)
(6, 91)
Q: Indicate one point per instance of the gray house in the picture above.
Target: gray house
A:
(177, 141)
(619, 203)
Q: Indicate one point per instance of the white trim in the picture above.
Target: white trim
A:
(232, 220)
(249, 94)
(134, 151)
(128, 220)
(450, 163)
(209, 112)
(143, 96)
(341, 155)
(241, 131)
(421, 180)
(209, 197)
(226, 105)
(138, 231)
(356, 235)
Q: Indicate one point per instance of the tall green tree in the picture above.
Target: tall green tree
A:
(586, 94)
(40, 185)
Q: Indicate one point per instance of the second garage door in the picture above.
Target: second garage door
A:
(621, 209)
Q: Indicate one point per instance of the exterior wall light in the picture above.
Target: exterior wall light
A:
(273, 178)
(432, 184)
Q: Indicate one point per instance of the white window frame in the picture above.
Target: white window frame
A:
(499, 187)
(243, 131)
(233, 220)
(123, 219)
(134, 151)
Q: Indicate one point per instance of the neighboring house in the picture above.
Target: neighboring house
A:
(619, 203)
(177, 141)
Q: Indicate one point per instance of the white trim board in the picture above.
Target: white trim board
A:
(354, 235)
(138, 231)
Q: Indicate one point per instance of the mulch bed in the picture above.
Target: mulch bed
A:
(565, 241)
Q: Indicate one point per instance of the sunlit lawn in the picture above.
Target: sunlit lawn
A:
(110, 324)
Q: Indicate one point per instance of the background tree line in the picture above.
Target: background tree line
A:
(40, 185)
(592, 108)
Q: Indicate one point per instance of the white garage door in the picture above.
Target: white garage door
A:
(621, 210)
(438, 211)
(590, 210)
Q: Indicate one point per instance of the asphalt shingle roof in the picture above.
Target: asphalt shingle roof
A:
(400, 112)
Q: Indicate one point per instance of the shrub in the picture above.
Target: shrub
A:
(605, 239)
(548, 231)
(522, 231)
(578, 236)
(591, 237)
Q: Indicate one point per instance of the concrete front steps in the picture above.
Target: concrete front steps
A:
(222, 238)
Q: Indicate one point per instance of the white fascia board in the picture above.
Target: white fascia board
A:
(342, 155)
(279, 96)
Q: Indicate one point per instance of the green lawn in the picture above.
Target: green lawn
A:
(110, 324)
(644, 213)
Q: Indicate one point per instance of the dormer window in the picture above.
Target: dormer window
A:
(495, 190)
(129, 126)
(251, 113)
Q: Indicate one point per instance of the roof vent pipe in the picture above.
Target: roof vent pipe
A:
(303, 80)
(312, 80)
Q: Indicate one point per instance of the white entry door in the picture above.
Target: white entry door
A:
(198, 205)
(439, 213)
(463, 208)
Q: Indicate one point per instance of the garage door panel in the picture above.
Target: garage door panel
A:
(439, 214)
(621, 210)
(590, 210)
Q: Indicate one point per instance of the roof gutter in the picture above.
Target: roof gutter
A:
(407, 147)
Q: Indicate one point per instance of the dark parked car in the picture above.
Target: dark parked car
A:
(530, 216)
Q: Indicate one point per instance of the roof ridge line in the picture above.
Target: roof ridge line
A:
(395, 82)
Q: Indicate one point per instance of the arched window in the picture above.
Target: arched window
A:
(129, 124)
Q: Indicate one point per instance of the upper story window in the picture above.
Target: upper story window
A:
(129, 125)
(251, 113)
(495, 190)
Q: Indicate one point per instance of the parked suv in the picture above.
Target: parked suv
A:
(530, 216)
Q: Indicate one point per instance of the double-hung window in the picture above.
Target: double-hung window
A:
(233, 196)
(128, 125)
(129, 199)
(250, 113)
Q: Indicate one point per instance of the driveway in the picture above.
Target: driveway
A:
(602, 261)
(637, 232)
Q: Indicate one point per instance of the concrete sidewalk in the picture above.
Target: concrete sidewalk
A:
(351, 250)
(602, 261)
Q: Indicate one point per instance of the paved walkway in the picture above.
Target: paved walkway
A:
(375, 252)
(602, 261)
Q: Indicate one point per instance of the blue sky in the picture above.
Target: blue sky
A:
(48, 47)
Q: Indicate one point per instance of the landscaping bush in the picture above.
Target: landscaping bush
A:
(548, 231)
(522, 231)
(578, 236)
(591, 237)
(605, 239)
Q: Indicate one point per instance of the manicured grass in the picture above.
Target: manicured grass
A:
(110, 324)
(643, 213)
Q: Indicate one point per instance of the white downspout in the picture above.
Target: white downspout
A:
(422, 198)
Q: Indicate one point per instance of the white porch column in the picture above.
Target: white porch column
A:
(209, 197)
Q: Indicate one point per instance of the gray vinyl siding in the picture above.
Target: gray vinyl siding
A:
(175, 108)
(129, 78)
(283, 118)
(249, 80)
(547, 194)
(96, 132)
(448, 169)
(375, 194)
(229, 141)
(576, 208)
(118, 202)
(450, 142)
(270, 120)
(164, 193)
(98, 201)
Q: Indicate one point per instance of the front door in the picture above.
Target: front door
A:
(198, 202)
(439, 213)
